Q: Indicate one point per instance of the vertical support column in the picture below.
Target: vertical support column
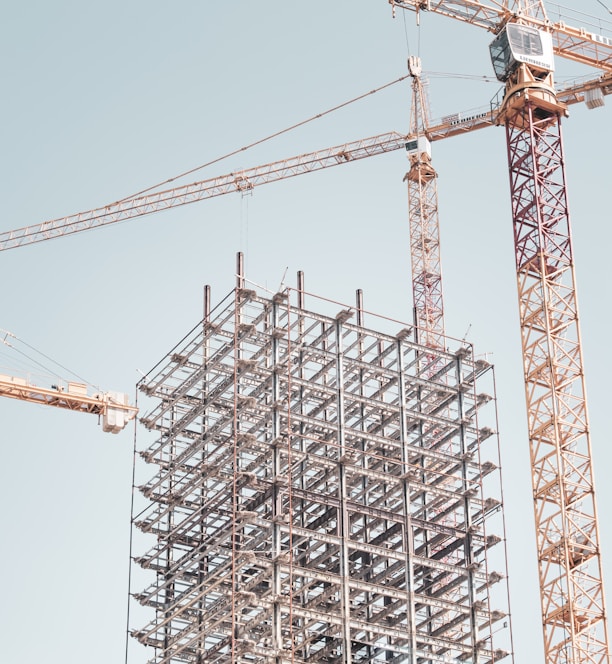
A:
(303, 446)
(468, 545)
(277, 638)
(169, 578)
(573, 610)
(344, 525)
(407, 525)
(203, 564)
(235, 584)
(367, 558)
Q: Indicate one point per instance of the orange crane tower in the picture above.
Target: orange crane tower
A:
(567, 539)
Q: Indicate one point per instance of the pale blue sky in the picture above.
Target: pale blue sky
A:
(100, 101)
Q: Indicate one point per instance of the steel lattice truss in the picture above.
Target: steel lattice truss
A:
(319, 497)
(568, 542)
(425, 255)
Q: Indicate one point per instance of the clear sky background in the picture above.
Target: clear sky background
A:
(101, 100)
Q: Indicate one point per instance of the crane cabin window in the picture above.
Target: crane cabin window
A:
(518, 44)
(501, 57)
(525, 41)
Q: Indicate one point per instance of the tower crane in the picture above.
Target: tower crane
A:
(567, 539)
(568, 550)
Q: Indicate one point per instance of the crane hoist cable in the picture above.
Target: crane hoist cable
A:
(408, 51)
(605, 7)
(265, 139)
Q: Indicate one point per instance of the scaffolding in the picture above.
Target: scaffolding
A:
(319, 493)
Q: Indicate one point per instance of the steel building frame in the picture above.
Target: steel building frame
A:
(319, 495)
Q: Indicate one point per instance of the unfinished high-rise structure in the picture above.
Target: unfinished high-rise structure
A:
(319, 493)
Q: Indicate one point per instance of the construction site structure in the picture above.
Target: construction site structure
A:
(317, 495)
(571, 585)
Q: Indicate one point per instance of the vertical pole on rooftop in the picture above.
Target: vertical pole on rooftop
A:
(206, 303)
(300, 289)
(359, 303)
(239, 270)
